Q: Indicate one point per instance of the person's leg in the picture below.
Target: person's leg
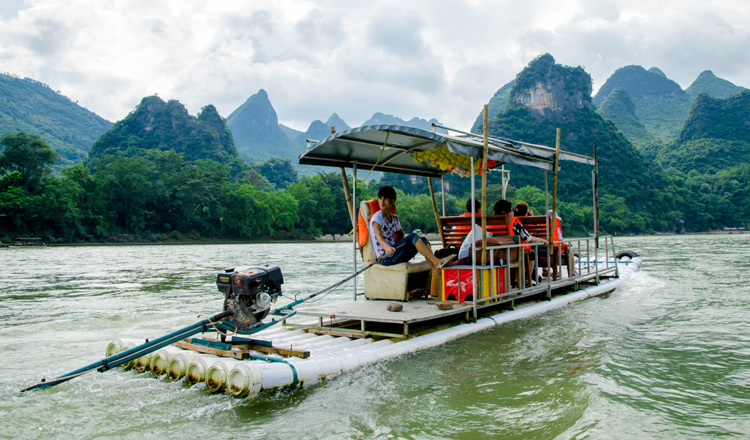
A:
(405, 251)
(423, 247)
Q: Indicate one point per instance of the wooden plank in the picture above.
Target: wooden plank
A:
(234, 354)
(253, 345)
(281, 351)
(348, 334)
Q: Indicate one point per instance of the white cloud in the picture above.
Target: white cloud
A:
(423, 58)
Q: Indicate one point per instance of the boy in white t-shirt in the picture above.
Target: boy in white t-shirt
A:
(388, 239)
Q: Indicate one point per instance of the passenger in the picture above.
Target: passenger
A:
(521, 210)
(477, 211)
(388, 239)
(558, 236)
(464, 253)
(502, 207)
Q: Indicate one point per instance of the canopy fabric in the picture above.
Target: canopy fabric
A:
(395, 149)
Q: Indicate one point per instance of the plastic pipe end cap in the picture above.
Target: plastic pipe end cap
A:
(244, 381)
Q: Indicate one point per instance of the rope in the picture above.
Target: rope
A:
(215, 328)
(387, 133)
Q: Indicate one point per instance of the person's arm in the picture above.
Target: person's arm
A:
(399, 234)
(536, 240)
(519, 230)
(379, 236)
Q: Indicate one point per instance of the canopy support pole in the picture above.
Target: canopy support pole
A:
(595, 178)
(506, 180)
(435, 210)
(553, 218)
(595, 183)
(546, 196)
(473, 239)
(484, 189)
(354, 224)
(348, 196)
(442, 189)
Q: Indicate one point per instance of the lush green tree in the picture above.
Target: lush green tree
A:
(245, 212)
(28, 155)
(280, 172)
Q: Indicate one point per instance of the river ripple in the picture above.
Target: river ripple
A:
(666, 356)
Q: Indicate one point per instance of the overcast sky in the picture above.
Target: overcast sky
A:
(441, 59)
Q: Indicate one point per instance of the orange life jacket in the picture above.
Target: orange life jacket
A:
(514, 220)
(557, 234)
(363, 231)
(465, 214)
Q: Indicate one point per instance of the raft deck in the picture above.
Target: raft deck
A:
(370, 317)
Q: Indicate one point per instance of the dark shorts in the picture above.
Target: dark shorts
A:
(543, 251)
(406, 253)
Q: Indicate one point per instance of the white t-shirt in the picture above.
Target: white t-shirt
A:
(389, 231)
(463, 252)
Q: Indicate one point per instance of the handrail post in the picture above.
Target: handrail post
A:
(473, 241)
(354, 223)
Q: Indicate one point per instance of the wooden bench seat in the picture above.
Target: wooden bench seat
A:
(453, 231)
(537, 226)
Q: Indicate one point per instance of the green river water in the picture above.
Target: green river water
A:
(665, 356)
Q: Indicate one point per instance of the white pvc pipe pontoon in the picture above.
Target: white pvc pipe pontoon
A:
(332, 355)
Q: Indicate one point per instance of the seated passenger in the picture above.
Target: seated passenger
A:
(477, 212)
(557, 237)
(522, 210)
(503, 207)
(388, 240)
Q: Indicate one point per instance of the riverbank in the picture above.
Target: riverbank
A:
(322, 239)
(329, 238)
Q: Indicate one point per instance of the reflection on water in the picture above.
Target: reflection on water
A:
(665, 356)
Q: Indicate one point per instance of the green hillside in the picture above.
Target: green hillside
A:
(31, 106)
(715, 137)
(660, 104)
(626, 180)
(620, 109)
(713, 86)
(159, 125)
(256, 131)
(496, 105)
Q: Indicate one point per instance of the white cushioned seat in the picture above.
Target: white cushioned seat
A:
(387, 282)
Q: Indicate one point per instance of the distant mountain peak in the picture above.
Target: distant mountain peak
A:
(547, 88)
(336, 121)
(620, 109)
(657, 71)
(713, 86)
(379, 118)
(640, 83)
(155, 124)
(256, 130)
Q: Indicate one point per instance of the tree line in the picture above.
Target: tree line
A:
(156, 195)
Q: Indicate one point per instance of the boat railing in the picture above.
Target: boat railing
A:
(585, 262)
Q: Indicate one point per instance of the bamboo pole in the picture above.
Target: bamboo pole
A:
(551, 236)
(348, 196)
(596, 200)
(484, 185)
(435, 210)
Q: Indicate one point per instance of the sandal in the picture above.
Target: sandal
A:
(446, 261)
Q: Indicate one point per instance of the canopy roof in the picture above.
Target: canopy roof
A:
(397, 149)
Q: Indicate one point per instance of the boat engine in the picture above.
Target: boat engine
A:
(249, 293)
